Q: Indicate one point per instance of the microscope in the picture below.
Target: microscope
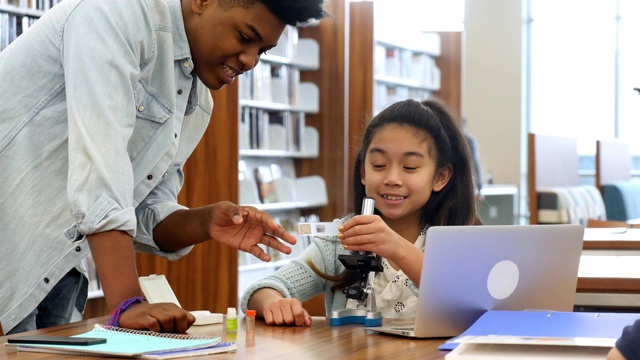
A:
(367, 264)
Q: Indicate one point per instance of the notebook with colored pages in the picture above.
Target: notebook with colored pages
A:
(220, 347)
(468, 270)
(135, 344)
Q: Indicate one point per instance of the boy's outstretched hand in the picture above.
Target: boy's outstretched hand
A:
(160, 317)
(245, 227)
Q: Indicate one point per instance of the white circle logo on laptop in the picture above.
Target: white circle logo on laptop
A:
(503, 279)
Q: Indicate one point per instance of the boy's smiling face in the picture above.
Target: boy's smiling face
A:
(227, 41)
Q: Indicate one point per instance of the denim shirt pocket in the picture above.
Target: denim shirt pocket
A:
(151, 112)
(150, 106)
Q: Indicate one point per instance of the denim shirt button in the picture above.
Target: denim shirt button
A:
(149, 177)
(140, 108)
(46, 280)
(179, 91)
(186, 64)
(175, 135)
(78, 249)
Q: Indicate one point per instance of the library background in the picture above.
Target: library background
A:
(295, 119)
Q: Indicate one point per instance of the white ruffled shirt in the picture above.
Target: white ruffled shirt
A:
(394, 299)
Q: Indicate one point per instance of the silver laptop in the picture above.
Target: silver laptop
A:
(468, 270)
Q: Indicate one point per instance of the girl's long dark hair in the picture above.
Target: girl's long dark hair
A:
(455, 204)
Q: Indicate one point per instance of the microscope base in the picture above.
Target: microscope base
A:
(353, 316)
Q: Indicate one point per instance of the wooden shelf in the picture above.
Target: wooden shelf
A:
(277, 154)
(290, 205)
(431, 49)
(398, 81)
(305, 58)
(267, 105)
(16, 10)
(95, 294)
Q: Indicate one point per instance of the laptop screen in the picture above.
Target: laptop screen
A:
(468, 270)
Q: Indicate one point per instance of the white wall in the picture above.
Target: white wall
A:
(492, 86)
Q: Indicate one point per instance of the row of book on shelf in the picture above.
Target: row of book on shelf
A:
(271, 82)
(275, 81)
(264, 177)
(262, 129)
(289, 223)
(273, 180)
(386, 94)
(12, 26)
(287, 46)
(42, 5)
(407, 64)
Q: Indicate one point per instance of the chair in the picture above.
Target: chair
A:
(555, 193)
(620, 193)
(613, 162)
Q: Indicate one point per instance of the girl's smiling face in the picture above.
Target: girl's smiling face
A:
(400, 172)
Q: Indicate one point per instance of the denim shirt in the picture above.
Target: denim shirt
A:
(99, 110)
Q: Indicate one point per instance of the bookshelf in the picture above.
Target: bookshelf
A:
(16, 16)
(272, 137)
(405, 67)
(389, 62)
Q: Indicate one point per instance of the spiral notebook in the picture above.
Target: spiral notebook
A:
(136, 344)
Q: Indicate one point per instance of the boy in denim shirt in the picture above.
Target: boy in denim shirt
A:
(101, 104)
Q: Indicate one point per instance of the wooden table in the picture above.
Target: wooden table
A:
(611, 239)
(609, 274)
(320, 341)
(610, 261)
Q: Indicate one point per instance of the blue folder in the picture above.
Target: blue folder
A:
(548, 324)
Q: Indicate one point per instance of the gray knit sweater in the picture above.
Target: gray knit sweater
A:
(297, 280)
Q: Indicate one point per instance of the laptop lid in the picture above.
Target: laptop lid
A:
(468, 270)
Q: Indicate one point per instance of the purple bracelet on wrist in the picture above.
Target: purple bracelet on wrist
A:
(124, 306)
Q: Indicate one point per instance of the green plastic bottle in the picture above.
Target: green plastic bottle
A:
(232, 320)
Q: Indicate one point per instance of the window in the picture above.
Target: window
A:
(584, 64)
(629, 64)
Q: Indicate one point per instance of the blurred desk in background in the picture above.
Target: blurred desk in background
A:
(609, 273)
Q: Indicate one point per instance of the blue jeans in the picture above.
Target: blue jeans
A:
(57, 307)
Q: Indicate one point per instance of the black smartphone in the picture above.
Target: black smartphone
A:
(56, 340)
